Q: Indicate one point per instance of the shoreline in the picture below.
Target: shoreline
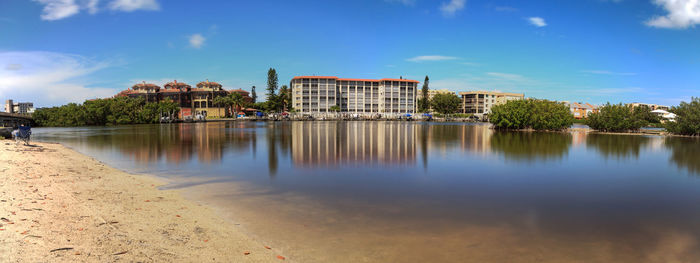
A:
(61, 205)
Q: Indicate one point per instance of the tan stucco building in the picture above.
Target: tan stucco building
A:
(479, 103)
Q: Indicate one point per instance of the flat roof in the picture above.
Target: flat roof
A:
(348, 79)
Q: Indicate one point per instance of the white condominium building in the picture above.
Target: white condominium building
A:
(317, 94)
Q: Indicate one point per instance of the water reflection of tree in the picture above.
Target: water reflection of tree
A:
(531, 146)
(174, 142)
(685, 153)
(278, 135)
(620, 146)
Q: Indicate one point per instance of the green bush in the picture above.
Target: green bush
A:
(113, 111)
(445, 103)
(687, 118)
(618, 118)
(534, 114)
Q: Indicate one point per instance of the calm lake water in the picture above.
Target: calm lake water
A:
(424, 192)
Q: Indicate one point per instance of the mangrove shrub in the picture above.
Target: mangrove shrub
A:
(112, 111)
(618, 118)
(687, 118)
(532, 114)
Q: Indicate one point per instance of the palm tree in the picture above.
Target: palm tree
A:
(237, 101)
(223, 101)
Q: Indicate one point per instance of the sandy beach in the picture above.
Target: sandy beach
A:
(61, 206)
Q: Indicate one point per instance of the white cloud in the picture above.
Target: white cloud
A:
(92, 6)
(537, 21)
(681, 14)
(197, 40)
(48, 78)
(430, 58)
(133, 5)
(607, 72)
(449, 9)
(60, 9)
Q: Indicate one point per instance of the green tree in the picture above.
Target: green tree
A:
(513, 114)
(285, 98)
(532, 113)
(237, 102)
(687, 120)
(254, 95)
(226, 102)
(261, 106)
(446, 103)
(424, 102)
(550, 115)
(113, 111)
(643, 112)
(616, 118)
(272, 99)
(334, 108)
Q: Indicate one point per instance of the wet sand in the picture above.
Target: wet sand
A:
(313, 231)
(61, 206)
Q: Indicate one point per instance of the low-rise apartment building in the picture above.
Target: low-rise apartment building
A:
(479, 103)
(581, 110)
(19, 107)
(433, 92)
(318, 94)
(651, 106)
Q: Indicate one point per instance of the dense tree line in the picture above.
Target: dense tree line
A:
(621, 118)
(687, 118)
(531, 114)
(112, 111)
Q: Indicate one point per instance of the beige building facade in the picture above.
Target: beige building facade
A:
(479, 103)
(433, 92)
(651, 106)
(318, 94)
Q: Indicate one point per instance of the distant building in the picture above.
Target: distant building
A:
(581, 110)
(316, 94)
(19, 107)
(432, 93)
(665, 115)
(193, 102)
(651, 106)
(203, 99)
(479, 103)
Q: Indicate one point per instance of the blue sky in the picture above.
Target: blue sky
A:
(58, 51)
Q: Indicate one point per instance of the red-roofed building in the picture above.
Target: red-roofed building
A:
(194, 102)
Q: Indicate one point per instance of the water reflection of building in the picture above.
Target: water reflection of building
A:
(178, 143)
(340, 143)
(443, 137)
